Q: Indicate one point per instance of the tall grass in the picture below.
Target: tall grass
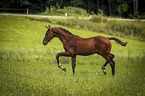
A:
(29, 68)
(44, 78)
(125, 28)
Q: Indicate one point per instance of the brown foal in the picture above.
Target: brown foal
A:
(75, 45)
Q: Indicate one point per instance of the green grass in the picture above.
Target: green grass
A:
(29, 68)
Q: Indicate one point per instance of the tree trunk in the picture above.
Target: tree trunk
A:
(50, 8)
(97, 6)
(109, 7)
(136, 5)
(88, 6)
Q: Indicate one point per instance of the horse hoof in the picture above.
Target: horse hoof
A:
(113, 75)
(64, 69)
(104, 72)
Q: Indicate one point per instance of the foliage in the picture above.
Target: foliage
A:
(29, 68)
(71, 11)
(98, 19)
(125, 27)
(123, 8)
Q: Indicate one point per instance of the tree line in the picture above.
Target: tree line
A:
(122, 8)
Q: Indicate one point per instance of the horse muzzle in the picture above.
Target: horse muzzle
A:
(45, 42)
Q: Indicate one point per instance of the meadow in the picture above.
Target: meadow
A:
(28, 68)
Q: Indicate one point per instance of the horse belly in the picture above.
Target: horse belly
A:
(85, 48)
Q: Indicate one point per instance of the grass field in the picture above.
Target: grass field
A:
(28, 68)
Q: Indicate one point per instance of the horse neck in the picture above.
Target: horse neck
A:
(62, 35)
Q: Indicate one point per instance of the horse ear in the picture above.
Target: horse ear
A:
(46, 26)
(49, 26)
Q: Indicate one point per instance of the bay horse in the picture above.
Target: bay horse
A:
(76, 45)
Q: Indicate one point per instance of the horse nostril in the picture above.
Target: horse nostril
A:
(44, 43)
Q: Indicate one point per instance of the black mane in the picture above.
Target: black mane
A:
(65, 30)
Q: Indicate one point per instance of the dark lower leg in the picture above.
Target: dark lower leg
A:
(58, 62)
(112, 64)
(73, 67)
(103, 68)
(112, 56)
(73, 63)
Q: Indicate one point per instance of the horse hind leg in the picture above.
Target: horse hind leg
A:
(111, 56)
(109, 59)
(103, 68)
(112, 64)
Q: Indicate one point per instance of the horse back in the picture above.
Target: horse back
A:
(102, 45)
(88, 46)
(84, 46)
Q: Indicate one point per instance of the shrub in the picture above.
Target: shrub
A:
(98, 19)
(73, 23)
(71, 11)
(125, 28)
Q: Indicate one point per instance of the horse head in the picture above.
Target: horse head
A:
(48, 35)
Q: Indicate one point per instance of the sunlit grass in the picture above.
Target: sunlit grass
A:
(29, 68)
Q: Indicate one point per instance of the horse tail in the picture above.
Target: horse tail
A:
(118, 41)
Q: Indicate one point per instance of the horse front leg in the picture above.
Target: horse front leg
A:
(73, 64)
(57, 58)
